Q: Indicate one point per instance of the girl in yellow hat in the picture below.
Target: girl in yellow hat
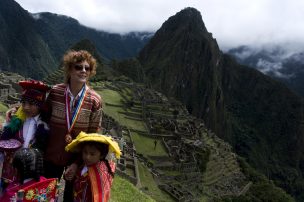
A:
(94, 177)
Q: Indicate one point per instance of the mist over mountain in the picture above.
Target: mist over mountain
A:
(282, 63)
(260, 117)
(33, 44)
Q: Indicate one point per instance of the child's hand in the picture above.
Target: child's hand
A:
(10, 113)
(70, 172)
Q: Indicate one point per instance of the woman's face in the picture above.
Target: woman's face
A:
(80, 72)
(90, 155)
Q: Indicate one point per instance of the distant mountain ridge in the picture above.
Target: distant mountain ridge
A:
(64, 31)
(275, 61)
(261, 118)
(33, 44)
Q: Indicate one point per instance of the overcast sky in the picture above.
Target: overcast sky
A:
(232, 22)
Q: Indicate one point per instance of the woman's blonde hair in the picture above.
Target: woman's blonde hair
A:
(73, 57)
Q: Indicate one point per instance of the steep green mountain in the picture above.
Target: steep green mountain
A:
(22, 49)
(33, 44)
(61, 32)
(261, 118)
(294, 68)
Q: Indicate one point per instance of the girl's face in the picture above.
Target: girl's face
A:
(30, 109)
(90, 155)
(80, 72)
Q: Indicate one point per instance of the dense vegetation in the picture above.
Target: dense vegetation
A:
(262, 189)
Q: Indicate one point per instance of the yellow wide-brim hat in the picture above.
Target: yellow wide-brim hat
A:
(94, 137)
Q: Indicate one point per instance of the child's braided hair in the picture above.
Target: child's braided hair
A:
(29, 164)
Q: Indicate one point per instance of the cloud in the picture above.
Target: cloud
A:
(273, 68)
(233, 23)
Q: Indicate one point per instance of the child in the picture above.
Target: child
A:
(29, 165)
(94, 178)
(26, 126)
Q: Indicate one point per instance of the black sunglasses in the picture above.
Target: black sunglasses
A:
(80, 67)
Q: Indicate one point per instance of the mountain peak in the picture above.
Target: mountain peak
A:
(188, 12)
(186, 18)
(181, 36)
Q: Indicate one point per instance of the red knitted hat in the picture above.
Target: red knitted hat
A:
(34, 91)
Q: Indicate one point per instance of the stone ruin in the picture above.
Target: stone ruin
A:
(9, 88)
(178, 192)
(127, 164)
(185, 139)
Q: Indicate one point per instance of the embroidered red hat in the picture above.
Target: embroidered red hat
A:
(34, 91)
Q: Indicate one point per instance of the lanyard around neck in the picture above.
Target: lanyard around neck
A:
(72, 120)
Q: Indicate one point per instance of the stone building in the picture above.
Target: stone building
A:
(5, 91)
(9, 87)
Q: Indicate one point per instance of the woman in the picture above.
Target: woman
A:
(74, 107)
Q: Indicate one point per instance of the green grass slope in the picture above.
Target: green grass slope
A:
(3, 108)
(124, 191)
